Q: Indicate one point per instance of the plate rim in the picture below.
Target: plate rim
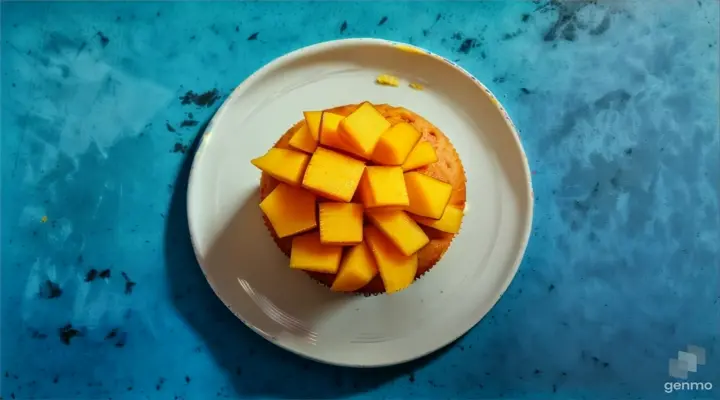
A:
(400, 46)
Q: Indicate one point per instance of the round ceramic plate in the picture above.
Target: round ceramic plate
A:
(252, 277)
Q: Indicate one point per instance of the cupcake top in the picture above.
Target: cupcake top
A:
(447, 168)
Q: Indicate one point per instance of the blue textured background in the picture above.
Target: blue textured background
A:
(617, 104)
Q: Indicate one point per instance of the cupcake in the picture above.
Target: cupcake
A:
(387, 149)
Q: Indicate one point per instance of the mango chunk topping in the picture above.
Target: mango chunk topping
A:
(291, 210)
(449, 222)
(302, 140)
(309, 254)
(333, 175)
(283, 164)
(341, 223)
(357, 269)
(428, 196)
(395, 144)
(383, 187)
(397, 270)
(362, 129)
(421, 155)
(330, 135)
(402, 230)
(313, 120)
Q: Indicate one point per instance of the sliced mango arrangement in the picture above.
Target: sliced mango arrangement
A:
(352, 199)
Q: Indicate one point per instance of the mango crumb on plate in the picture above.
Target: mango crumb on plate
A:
(387, 80)
(416, 86)
(43, 219)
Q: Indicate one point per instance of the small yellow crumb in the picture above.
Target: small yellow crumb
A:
(416, 86)
(409, 49)
(388, 80)
(43, 219)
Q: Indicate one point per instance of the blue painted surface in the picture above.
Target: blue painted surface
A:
(617, 105)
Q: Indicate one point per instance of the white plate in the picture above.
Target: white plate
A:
(252, 277)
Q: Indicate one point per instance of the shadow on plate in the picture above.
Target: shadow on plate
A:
(255, 366)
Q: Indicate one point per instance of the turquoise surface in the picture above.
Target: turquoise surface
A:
(617, 106)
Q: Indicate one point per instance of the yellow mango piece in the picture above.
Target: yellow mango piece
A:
(449, 222)
(383, 187)
(290, 210)
(388, 80)
(341, 223)
(397, 270)
(283, 164)
(395, 144)
(313, 119)
(303, 140)
(362, 129)
(309, 254)
(421, 155)
(333, 175)
(397, 226)
(357, 269)
(330, 133)
(428, 196)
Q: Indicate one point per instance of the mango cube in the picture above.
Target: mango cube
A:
(421, 155)
(303, 140)
(449, 222)
(283, 164)
(383, 187)
(309, 254)
(362, 129)
(397, 270)
(313, 119)
(395, 144)
(397, 226)
(357, 269)
(333, 175)
(330, 133)
(428, 196)
(341, 223)
(290, 210)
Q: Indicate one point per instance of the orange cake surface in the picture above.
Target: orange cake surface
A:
(447, 168)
